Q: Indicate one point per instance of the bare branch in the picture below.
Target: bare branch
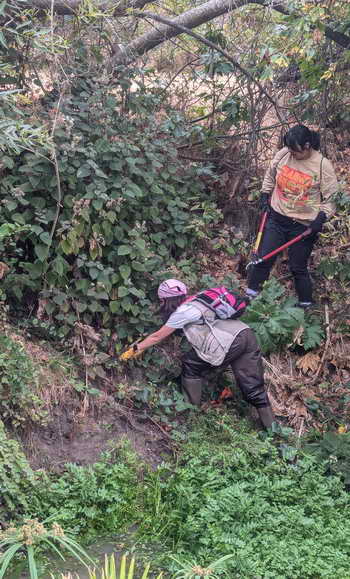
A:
(179, 27)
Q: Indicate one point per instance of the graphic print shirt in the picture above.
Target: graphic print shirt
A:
(300, 189)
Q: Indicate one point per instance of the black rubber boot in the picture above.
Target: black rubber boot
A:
(266, 416)
(192, 390)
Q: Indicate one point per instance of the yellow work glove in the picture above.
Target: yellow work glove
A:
(130, 354)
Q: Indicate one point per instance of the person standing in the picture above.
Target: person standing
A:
(297, 193)
(216, 343)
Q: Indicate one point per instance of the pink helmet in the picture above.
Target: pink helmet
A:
(171, 288)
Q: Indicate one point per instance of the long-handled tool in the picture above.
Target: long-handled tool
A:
(259, 235)
(281, 248)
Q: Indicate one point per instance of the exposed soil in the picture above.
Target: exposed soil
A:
(82, 439)
(79, 426)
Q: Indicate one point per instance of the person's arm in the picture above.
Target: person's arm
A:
(269, 180)
(329, 186)
(137, 349)
(155, 338)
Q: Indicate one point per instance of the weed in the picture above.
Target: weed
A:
(33, 536)
(94, 499)
(17, 480)
(18, 384)
(276, 321)
(333, 450)
(231, 493)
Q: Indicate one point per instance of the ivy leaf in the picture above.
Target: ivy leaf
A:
(125, 271)
(11, 205)
(58, 265)
(41, 251)
(111, 216)
(45, 237)
(137, 266)
(59, 299)
(122, 291)
(66, 246)
(140, 244)
(84, 171)
(180, 242)
(80, 307)
(124, 249)
(93, 271)
(114, 307)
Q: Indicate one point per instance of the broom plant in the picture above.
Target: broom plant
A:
(34, 536)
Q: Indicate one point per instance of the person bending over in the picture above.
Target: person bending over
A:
(216, 343)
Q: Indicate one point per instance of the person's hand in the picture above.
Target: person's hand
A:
(264, 204)
(317, 224)
(131, 353)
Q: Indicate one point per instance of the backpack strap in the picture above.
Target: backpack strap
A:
(204, 309)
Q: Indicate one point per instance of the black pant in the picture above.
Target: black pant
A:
(244, 357)
(279, 230)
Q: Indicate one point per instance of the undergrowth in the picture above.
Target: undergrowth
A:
(230, 492)
(96, 499)
(19, 401)
(17, 479)
(277, 321)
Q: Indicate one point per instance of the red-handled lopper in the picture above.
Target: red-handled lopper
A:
(281, 248)
(259, 235)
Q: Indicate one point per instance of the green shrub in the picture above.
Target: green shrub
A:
(126, 208)
(333, 450)
(276, 319)
(17, 480)
(87, 500)
(19, 401)
(231, 494)
(335, 267)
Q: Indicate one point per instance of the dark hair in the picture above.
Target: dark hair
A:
(169, 305)
(299, 135)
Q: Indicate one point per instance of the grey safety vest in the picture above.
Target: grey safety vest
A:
(211, 337)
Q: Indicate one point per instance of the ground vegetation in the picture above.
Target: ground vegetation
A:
(134, 138)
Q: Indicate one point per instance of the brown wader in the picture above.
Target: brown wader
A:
(244, 357)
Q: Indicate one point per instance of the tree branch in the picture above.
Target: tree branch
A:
(178, 27)
(190, 19)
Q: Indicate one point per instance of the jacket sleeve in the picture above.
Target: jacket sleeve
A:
(329, 186)
(269, 181)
